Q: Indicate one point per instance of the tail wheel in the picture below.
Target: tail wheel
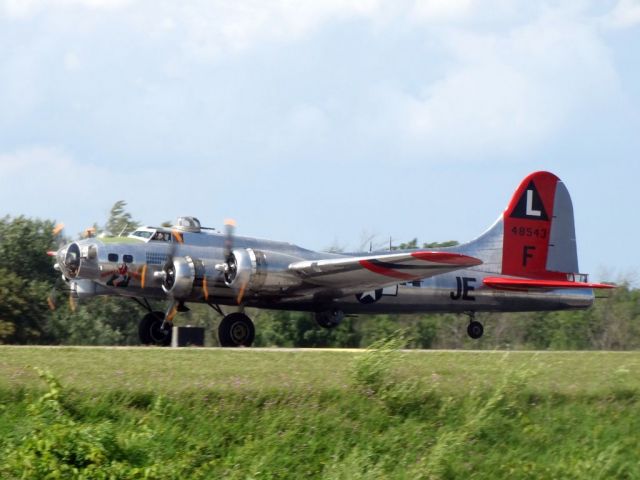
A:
(150, 332)
(475, 329)
(236, 330)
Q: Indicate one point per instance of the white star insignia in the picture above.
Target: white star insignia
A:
(371, 294)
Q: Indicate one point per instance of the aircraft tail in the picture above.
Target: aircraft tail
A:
(535, 236)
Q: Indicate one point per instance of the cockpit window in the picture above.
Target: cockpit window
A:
(142, 234)
(161, 237)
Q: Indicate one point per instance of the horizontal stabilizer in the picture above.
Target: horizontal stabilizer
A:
(530, 283)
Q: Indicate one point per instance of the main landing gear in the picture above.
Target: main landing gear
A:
(329, 318)
(151, 331)
(475, 328)
(235, 330)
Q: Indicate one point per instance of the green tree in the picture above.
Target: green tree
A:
(299, 329)
(23, 247)
(413, 243)
(26, 277)
(99, 321)
(120, 221)
(448, 243)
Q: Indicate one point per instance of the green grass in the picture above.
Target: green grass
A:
(162, 413)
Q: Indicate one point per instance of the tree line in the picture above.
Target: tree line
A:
(28, 285)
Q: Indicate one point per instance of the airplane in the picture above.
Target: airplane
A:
(526, 261)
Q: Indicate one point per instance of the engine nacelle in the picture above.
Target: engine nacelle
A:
(79, 261)
(255, 270)
(83, 289)
(180, 276)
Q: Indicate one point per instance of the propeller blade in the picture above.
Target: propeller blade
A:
(177, 235)
(205, 289)
(57, 229)
(229, 261)
(51, 300)
(241, 292)
(58, 237)
(143, 276)
(229, 230)
(173, 311)
(73, 304)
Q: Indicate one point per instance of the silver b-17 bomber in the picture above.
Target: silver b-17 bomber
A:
(526, 261)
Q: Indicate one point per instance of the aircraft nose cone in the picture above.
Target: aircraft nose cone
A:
(69, 260)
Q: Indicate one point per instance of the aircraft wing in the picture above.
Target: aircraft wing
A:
(377, 271)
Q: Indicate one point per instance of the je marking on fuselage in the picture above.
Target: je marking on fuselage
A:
(463, 287)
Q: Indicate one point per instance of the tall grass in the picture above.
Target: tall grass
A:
(385, 422)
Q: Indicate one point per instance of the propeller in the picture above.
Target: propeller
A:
(58, 237)
(168, 276)
(70, 259)
(52, 300)
(229, 268)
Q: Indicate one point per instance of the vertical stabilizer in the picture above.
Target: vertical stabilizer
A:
(535, 236)
(539, 232)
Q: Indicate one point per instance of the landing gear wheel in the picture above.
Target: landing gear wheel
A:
(236, 330)
(475, 329)
(329, 318)
(150, 332)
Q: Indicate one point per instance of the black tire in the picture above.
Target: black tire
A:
(475, 330)
(329, 318)
(326, 322)
(149, 330)
(236, 330)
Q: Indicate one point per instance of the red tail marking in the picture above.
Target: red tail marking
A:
(527, 227)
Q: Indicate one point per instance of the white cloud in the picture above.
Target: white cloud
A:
(443, 10)
(505, 92)
(625, 14)
(211, 28)
(49, 183)
(43, 165)
(72, 61)
(495, 90)
(29, 8)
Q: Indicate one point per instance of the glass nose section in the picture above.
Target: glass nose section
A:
(71, 262)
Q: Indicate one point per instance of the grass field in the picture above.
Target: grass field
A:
(213, 413)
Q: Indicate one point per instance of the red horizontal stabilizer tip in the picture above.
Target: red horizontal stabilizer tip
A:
(51, 253)
(448, 258)
(526, 283)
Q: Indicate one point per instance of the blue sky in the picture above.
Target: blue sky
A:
(324, 122)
